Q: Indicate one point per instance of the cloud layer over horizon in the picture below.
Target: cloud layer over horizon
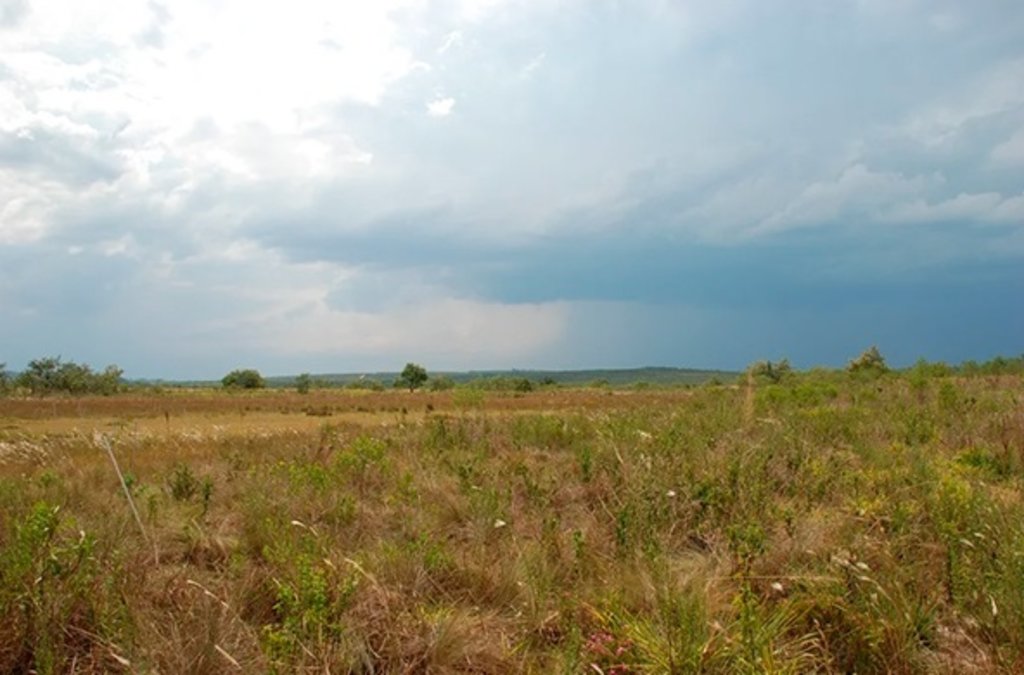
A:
(189, 187)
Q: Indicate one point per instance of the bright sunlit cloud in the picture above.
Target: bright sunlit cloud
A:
(441, 107)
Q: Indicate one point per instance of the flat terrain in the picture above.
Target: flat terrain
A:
(212, 413)
(829, 524)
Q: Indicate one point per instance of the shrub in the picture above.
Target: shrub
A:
(772, 372)
(243, 379)
(183, 483)
(870, 361)
(303, 383)
(55, 608)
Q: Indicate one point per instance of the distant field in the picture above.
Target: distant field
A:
(182, 408)
(827, 524)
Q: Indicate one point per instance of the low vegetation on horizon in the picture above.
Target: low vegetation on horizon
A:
(856, 520)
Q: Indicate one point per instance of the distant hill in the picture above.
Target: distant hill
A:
(615, 377)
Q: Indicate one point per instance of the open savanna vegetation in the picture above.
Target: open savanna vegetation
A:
(835, 521)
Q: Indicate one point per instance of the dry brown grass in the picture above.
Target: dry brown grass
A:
(787, 529)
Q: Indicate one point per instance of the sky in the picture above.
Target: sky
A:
(191, 186)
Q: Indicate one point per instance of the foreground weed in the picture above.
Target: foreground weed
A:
(51, 598)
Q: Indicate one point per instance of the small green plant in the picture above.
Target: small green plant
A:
(747, 541)
(49, 584)
(183, 483)
(206, 491)
(585, 458)
(309, 603)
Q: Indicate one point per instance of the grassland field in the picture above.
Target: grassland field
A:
(830, 524)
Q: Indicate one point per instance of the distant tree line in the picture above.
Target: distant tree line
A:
(868, 365)
(1000, 365)
(52, 375)
(508, 383)
(871, 363)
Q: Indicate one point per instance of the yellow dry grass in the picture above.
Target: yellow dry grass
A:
(821, 526)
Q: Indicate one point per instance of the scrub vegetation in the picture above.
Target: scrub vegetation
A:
(863, 520)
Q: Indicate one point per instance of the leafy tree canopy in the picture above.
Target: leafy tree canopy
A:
(413, 376)
(247, 378)
(52, 375)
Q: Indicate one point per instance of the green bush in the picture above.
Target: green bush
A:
(243, 379)
(772, 372)
(183, 483)
(53, 598)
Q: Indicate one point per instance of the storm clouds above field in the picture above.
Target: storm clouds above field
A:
(187, 187)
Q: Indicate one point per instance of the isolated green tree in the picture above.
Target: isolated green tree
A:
(247, 378)
(5, 379)
(303, 383)
(413, 376)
